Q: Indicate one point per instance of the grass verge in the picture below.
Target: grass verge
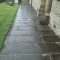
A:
(7, 14)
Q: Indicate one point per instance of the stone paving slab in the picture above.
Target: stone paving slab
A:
(46, 33)
(20, 48)
(53, 47)
(55, 56)
(40, 48)
(44, 27)
(32, 57)
(51, 38)
(29, 40)
(11, 57)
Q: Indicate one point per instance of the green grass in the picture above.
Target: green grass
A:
(7, 14)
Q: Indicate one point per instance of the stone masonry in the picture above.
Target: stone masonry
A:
(55, 16)
(50, 7)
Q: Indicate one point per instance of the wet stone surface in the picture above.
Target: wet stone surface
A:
(40, 48)
(29, 39)
(53, 47)
(44, 27)
(55, 56)
(11, 57)
(32, 57)
(20, 48)
(46, 33)
(51, 38)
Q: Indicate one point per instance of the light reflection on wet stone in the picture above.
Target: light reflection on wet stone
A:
(29, 39)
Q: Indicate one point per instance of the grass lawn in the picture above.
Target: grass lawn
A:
(7, 14)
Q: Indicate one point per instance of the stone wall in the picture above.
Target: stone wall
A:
(36, 4)
(30, 1)
(24, 0)
(55, 16)
(48, 6)
(39, 5)
(44, 6)
(16, 1)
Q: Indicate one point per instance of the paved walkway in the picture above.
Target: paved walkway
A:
(27, 40)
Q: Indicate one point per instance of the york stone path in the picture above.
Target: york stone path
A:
(28, 40)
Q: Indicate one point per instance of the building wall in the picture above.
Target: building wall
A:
(16, 1)
(48, 6)
(36, 4)
(24, 0)
(55, 16)
(44, 6)
(30, 1)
